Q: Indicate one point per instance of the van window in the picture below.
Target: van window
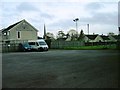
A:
(42, 43)
(31, 43)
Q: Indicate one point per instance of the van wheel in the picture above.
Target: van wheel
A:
(40, 49)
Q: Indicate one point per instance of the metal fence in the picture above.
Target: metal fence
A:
(99, 43)
(12, 47)
(63, 44)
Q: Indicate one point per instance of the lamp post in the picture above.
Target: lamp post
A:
(88, 28)
(118, 41)
(75, 20)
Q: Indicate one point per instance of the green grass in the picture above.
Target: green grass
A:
(91, 47)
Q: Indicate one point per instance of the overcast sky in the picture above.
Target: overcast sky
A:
(101, 15)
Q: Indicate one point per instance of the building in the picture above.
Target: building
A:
(114, 38)
(103, 38)
(20, 31)
(72, 35)
(90, 38)
(97, 38)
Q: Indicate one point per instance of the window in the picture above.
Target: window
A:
(18, 34)
(5, 33)
(8, 33)
(100, 41)
(31, 43)
(24, 25)
(42, 43)
(37, 44)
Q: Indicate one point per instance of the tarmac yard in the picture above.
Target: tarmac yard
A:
(61, 69)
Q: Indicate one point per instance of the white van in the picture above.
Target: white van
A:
(39, 45)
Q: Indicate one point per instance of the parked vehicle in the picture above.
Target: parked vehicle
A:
(39, 45)
(25, 47)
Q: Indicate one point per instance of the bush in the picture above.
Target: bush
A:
(48, 41)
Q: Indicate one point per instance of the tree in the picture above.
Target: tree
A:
(48, 41)
(81, 36)
(111, 33)
(60, 34)
(50, 36)
(72, 35)
(67, 35)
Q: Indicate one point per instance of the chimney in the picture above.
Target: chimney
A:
(88, 28)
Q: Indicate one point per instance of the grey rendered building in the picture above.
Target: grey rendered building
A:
(20, 31)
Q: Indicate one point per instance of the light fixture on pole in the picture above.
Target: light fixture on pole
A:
(75, 20)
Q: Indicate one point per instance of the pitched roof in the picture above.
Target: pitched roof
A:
(92, 37)
(11, 26)
(116, 36)
(105, 37)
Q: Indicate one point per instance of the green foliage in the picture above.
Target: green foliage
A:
(48, 41)
(81, 36)
(61, 34)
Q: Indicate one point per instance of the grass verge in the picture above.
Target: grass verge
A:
(91, 48)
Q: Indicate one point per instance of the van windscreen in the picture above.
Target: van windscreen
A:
(42, 43)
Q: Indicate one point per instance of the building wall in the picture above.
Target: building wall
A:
(86, 39)
(27, 32)
(98, 39)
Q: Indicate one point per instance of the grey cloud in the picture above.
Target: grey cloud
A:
(94, 6)
(98, 18)
(102, 18)
(46, 15)
(63, 24)
(26, 6)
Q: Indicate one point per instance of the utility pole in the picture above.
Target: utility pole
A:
(88, 28)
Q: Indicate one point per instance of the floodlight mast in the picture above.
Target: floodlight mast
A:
(76, 20)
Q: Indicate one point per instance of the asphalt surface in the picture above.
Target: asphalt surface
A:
(61, 69)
